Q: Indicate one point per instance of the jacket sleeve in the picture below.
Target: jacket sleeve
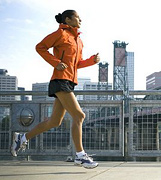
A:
(86, 63)
(48, 42)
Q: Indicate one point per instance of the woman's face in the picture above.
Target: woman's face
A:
(74, 21)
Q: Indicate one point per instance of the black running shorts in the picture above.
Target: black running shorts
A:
(58, 85)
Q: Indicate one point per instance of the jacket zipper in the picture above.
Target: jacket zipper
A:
(62, 55)
(75, 59)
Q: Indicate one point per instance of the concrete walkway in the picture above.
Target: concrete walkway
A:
(59, 170)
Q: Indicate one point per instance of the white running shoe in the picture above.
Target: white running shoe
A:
(85, 161)
(17, 145)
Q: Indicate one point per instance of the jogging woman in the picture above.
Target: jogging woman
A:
(66, 59)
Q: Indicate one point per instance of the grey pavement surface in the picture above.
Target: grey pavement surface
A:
(60, 170)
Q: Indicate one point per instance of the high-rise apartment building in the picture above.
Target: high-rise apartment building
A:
(130, 70)
(8, 83)
(153, 81)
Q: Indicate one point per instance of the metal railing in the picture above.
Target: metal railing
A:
(106, 129)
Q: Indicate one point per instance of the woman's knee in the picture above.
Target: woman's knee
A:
(79, 117)
(83, 115)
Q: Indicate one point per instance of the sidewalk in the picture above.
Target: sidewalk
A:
(59, 170)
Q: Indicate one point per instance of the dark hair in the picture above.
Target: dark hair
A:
(60, 18)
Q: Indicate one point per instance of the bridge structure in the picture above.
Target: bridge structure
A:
(108, 131)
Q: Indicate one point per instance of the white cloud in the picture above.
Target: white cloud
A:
(13, 20)
(9, 20)
(28, 21)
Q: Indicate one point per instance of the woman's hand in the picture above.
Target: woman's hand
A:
(61, 66)
(96, 58)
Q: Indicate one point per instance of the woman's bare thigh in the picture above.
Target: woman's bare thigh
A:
(70, 103)
(58, 112)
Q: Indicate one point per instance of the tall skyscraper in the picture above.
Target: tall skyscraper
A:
(153, 81)
(130, 69)
(8, 83)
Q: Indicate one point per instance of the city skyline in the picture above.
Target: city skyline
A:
(25, 23)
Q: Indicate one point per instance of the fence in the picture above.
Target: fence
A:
(107, 130)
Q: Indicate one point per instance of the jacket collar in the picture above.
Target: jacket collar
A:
(73, 30)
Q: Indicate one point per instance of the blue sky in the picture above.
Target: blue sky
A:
(26, 22)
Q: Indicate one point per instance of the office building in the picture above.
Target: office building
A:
(153, 81)
(130, 70)
(23, 97)
(41, 87)
(96, 86)
(81, 82)
(8, 83)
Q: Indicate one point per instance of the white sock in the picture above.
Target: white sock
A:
(81, 153)
(23, 139)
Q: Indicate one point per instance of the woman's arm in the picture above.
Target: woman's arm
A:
(89, 62)
(48, 42)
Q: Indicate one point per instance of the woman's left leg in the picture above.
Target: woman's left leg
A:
(54, 121)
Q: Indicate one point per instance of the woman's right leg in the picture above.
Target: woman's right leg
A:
(54, 121)
(70, 103)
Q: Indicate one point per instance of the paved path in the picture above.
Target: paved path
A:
(59, 170)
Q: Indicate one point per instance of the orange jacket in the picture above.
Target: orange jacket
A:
(67, 48)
